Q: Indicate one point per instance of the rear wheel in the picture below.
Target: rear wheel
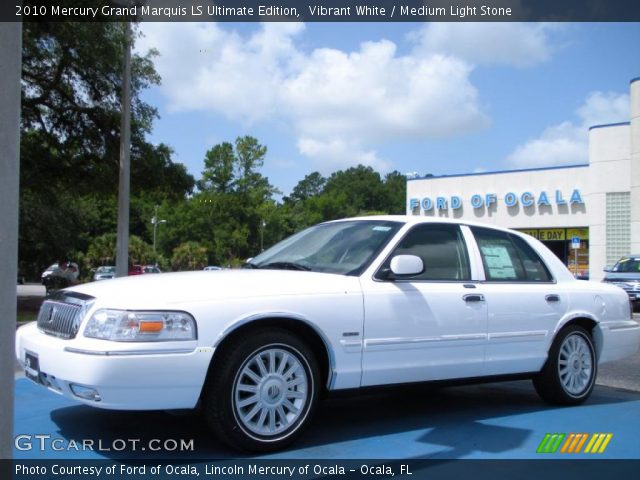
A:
(263, 390)
(569, 374)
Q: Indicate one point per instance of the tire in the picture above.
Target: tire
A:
(262, 391)
(569, 373)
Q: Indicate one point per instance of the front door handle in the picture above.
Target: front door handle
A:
(473, 297)
(552, 298)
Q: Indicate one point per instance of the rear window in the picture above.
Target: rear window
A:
(508, 258)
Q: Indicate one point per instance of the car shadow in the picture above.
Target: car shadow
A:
(452, 420)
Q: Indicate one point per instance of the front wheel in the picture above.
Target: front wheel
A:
(569, 374)
(263, 390)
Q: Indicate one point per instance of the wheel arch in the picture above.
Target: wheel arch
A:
(304, 329)
(586, 321)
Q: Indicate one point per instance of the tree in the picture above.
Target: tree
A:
(395, 185)
(310, 186)
(218, 174)
(102, 251)
(362, 187)
(70, 130)
(233, 194)
(189, 256)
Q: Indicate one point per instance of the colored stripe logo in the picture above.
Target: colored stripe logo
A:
(574, 442)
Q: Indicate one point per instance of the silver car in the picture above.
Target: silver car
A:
(106, 272)
(626, 275)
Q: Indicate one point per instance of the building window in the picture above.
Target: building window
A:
(618, 225)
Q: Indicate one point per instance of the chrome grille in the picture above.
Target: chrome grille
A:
(61, 316)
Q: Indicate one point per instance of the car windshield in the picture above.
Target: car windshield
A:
(627, 265)
(106, 270)
(344, 247)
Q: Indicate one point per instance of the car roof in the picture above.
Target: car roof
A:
(418, 219)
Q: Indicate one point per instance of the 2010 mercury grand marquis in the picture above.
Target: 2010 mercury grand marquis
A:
(344, 304)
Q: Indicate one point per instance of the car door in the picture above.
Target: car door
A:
(524, 303)
(430, 326)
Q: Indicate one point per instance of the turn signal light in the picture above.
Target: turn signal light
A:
(151, 327)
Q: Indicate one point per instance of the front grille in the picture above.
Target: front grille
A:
(61, 316)
(629, 287)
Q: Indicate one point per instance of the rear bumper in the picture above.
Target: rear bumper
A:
(167, 377)
(619, 339)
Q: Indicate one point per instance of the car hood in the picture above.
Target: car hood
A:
(622, 277)
(172, 289)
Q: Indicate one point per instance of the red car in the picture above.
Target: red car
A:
(140, 269)
(135, 270)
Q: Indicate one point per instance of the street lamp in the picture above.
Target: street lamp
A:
(263, 224)
(155, 222)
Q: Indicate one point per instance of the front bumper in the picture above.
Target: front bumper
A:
(126, 376)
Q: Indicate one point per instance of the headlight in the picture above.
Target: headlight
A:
(130, 326)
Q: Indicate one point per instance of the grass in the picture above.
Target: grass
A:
(26, 316)
(28, 308)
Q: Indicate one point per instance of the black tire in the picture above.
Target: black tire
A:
(573, 347)
(285, 393)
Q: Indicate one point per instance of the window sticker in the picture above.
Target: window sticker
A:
(380, 228)
(498, 262)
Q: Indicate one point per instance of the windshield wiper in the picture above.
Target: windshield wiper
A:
(285, 266)
(249, 265)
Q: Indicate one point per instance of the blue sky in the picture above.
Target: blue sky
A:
(438, 98)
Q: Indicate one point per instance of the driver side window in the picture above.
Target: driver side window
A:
(442, 250)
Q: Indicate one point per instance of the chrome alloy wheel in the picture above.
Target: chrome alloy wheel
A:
(575, 364)
(270, 391)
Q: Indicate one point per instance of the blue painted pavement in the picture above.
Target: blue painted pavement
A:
(493, 421)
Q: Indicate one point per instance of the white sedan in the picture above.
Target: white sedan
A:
(344, 304)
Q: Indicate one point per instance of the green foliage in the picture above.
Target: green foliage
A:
(189, 256)
(70, 134)
(102, 251)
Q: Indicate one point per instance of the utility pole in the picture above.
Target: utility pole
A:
(11, 64)
(122, 243)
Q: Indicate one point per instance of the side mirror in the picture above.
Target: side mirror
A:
(607, 269)
(405, 265)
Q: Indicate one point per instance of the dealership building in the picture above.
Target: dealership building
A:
(588, 215)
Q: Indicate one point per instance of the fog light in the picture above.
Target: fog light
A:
(85, 393)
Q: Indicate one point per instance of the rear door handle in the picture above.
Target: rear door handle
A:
(552, 298)
(473, 297)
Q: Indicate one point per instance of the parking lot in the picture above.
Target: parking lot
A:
(491, 421)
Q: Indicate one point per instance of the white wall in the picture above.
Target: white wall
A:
(609, 171)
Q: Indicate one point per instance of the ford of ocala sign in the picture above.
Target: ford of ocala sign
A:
(510, 199)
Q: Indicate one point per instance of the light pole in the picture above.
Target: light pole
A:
(263, 224)
(155, 222)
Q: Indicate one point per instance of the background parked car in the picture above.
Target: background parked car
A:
(141, 269)
(104, 272)
(212, 268)
(626, 275)
(135, 270)
(48, 272)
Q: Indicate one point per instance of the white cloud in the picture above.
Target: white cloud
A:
(567, 142)
(340, 105)
(483, 43)
(330, 155)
